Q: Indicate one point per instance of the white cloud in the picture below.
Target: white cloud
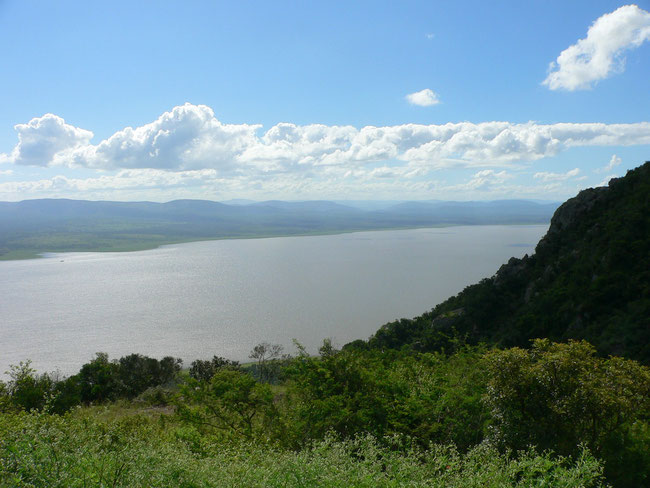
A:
(430, 35)
(125, 179)
(486, 179)
(490, 143)
(548, 177)
(605, 181)
(423, 98)
(332, 182)
(490, 184)
(42, 138)
(189, 137)
(484, 182)
(601, 53)
(613, 162)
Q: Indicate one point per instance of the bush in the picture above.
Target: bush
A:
(203, 370)
(232, 403)
(560, 396)
(27, 390)
(40, 450)
(156, 396)
(430, 397)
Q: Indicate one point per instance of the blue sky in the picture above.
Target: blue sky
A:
(312, 100)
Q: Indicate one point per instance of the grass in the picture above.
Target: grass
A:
(19, 254)
(34, 246)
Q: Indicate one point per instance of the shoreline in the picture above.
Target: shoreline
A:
(25, 254)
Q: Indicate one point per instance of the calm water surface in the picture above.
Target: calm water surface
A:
(222, 297)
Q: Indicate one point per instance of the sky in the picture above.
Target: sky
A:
(296, 100)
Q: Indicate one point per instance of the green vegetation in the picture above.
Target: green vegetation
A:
(80, 450)
(459, 397)
(588, 279)
(343, 418)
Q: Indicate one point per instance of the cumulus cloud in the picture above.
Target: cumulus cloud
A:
(423, 98)
(547, 176)
(43, 138)
(491, 184)
(613, 162)
(125, 179)
(334, 182)
(600, 54)
(187, 137)
(190, 137)
(491, 175)
(485, 180)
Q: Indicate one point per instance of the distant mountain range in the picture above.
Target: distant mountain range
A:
(58, 225)
(589, 278)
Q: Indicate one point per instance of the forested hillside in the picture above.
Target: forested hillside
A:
(589, 278)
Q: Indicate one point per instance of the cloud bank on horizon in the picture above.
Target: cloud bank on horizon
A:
(190, 137)
(600, 54)
(189, 145)
(188, 152)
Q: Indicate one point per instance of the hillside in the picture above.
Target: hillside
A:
(57, 225)
(386, 412)
(589, 278)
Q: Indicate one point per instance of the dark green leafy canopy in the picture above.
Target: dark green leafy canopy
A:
(562, 396)
(588, 279)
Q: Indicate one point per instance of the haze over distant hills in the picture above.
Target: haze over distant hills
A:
(30, 227)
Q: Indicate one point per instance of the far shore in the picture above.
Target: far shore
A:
(23, 254)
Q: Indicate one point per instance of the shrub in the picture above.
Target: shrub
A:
(560, 396)
(40, 450)
(232, 403)
(203, 370)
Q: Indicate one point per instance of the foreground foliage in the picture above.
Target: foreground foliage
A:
(429, 397)
(76, 450)
(562, 399)
(562, 396)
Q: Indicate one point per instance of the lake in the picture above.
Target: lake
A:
(201, 299)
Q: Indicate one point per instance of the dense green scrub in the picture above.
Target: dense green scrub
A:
(352, 417)
(78, 450)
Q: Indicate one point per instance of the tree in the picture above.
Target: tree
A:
(98, 379)
(168, 368)
(426, 397)
(136, 373)
(560, 396)
(265, 355)
(203, 370)
(27, 390)
(232, 403)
